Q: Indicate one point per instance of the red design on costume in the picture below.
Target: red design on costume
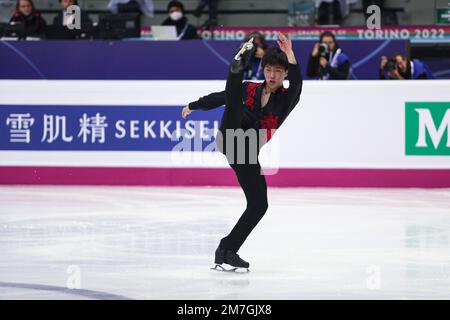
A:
(251, 93)
(284, 90)
(269, 122)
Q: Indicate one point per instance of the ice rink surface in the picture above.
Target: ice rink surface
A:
(158, 243)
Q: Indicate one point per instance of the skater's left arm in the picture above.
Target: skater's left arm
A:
(294, 73)
(208, 102)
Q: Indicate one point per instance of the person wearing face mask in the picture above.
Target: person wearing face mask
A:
(185, 31)
(31, 19)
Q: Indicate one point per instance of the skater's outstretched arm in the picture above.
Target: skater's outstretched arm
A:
(295, 86)
(211, 101)
(294, 73)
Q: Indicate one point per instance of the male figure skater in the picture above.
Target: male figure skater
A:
(256, 107)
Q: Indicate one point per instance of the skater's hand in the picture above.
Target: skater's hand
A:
(286, 46)
(185, 112)
(284, 43)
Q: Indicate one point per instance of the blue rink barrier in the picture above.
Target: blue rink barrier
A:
(166, 60)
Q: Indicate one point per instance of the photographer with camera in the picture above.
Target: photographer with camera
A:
(399, 67)
(327, 61)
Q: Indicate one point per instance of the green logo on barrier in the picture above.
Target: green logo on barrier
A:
(442, 15)
(427, 128)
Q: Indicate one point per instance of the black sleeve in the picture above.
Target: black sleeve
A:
(295, 86)
(40, 25)
(37, 28)
(339, 73)
(313, 67)
(211, 101)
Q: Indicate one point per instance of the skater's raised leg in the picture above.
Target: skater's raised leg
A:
(232, 117)
(234, 106)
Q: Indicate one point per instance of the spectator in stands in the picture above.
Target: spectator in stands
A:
(399, 67)
(327, 8)
(327, 60)
(212, 7)
(185, 31)
(31, 19)
(63, 17)
(254, 70)
(143, 6)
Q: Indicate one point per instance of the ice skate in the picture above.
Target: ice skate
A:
(246, 47)
(229, 261)
(242, 57)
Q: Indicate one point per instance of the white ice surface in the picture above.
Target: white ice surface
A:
(158, 243)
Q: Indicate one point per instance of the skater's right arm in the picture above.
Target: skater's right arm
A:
(294, 74)
(211, 101)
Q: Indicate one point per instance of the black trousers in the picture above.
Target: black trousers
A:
(249, 175)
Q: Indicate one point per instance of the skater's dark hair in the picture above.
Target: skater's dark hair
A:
(275, 56)
(176, 4)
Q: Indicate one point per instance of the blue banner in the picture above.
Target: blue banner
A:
(163, 60)
(130, 128)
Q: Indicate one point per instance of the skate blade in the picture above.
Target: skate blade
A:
(228, 268)
(247, 46)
